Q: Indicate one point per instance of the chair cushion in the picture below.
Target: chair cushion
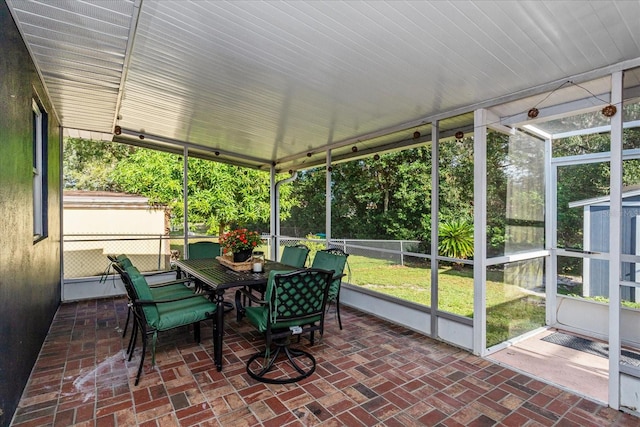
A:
(200, 250)
(161, 292)
(139, 283)
(272, 273)
(164, 316)
(258, 317)
(170, 291)
(183, 312)
(124, 261)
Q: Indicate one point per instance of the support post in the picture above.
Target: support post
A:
(479, 234)
(185, 202)
(435, 219)
(328, 200)
(615, 224)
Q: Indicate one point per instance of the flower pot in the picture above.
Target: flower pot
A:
(242, 256)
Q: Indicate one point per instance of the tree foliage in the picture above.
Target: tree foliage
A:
(308, 216)
(88, 164)
(221, 196)
(588, 180)
(373, 199)
(390, 198)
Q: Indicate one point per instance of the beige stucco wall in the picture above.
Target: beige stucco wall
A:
(129, 225)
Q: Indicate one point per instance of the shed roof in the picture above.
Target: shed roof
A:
(627, 192)
(74, 199)
(261, 83)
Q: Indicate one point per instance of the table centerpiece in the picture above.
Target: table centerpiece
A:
(240, 244)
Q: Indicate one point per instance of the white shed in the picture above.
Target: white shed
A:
(97, 223)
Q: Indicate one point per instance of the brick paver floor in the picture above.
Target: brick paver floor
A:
(372, 373)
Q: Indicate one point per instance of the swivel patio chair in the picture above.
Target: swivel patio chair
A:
(335, 260)
(294, 304)
(153, 315)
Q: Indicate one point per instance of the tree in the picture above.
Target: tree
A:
(221, 196)
(456, 179)
(587, 180)
(308, 216)
(384, 198)
(87, 165)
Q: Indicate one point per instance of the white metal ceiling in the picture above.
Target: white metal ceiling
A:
(263, 81)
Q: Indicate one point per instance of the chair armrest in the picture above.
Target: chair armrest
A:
(172, 282)
(162, 301)
(252, 297)
(160, 272)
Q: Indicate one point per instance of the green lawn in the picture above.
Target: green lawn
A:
(510, 310)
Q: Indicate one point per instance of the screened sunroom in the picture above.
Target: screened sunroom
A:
(521, 120)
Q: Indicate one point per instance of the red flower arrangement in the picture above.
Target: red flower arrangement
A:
(239, 240)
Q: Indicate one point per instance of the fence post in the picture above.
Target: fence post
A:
(402, 253)
(160, 253)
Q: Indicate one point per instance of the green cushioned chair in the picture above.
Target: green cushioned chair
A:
(204, 250)
(164, 290)
(159, 290)
(155, 315)
(295, 256)
(334, 260)
(294, 303)
(201, 250)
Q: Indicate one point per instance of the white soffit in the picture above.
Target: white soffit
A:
(278, 80)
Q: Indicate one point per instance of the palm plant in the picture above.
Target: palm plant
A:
(456, 238)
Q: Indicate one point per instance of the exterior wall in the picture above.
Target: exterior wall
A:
(454, 330)
(115, 216)
(29, 272)
(597, 276)
(590, 318)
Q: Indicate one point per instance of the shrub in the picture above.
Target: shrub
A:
(456, 238)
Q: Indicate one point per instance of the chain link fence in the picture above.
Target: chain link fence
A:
(85, 255)
(396, 251)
